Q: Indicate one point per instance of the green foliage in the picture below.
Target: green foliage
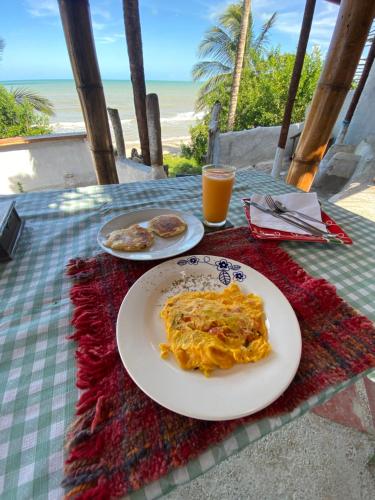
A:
(181, 165)
(20, 118)
(263, 94)
(199, 139)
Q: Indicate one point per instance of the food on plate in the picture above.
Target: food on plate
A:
(131, 239)
(167, 225)
(209, 330)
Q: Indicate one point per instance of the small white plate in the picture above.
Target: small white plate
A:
(162, 247)
(227, 394)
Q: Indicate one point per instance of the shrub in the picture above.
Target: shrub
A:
(20, 118)
(181, 165)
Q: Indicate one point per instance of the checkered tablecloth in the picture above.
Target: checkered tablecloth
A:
(37, 367)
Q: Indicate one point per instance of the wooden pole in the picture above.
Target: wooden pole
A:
(213, 131)
(239, 63)
(134, 43)
(117, 129)
(357, 93)
(75, 17)
(154, 129)
(349, 37)
(293, 86)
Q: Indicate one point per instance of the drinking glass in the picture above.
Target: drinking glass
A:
(217, 184)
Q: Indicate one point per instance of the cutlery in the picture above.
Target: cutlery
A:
(279, 207)
(313, 231)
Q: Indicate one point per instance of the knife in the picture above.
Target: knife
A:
(298, 223)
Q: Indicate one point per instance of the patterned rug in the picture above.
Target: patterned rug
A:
(120, 439)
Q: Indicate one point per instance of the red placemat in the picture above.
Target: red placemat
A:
(263, 233)
(120, 439)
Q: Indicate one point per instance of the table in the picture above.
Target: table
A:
(37, 364)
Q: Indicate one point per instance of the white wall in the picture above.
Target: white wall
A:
(362, 125)
(249, 147)
(47, 164)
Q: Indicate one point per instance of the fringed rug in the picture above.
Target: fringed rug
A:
(120, 439)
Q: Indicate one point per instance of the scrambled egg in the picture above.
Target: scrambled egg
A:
(209, 330)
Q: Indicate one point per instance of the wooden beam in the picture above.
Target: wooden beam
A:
(75, 17)
(293, 85)
(154, 129)
(135, 53)
(117, 129)
(349, 37)
(213, 131)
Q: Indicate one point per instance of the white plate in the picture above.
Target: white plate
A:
(243, 389)
(162, 247)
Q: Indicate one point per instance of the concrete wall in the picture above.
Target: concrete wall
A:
(362, 125)
(38, 163)
(249, 147)
(58, 161)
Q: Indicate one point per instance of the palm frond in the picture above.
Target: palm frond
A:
(231, 19)
(218, 45)
(209, 69)
(38, 102)
(209, 87)
(262, 39)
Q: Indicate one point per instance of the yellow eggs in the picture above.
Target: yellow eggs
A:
(209, 330)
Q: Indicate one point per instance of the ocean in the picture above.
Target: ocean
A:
(176, 100)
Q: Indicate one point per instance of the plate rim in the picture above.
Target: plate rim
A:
(140, 259)
(192, 414)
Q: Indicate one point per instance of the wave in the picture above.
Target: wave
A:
(186, 116)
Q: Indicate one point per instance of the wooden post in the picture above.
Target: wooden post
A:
(239, 63)
(154, 129)
(349, 37)
(357, 93)
(117, 129)
(213, 131)
(134, 43)
(293, 86)
(75, 17)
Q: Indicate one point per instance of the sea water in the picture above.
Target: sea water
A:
(176, 100)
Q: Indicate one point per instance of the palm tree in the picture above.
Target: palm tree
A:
(38, 102)
(220, 44)
(240, 52)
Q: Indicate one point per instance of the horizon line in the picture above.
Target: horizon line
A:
(103, 79)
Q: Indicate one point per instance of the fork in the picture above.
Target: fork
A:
(279, 207)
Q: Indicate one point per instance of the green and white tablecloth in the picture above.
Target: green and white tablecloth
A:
(37, 366)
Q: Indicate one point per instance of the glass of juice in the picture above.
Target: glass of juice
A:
(217, 184)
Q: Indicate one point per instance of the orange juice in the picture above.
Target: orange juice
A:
(217, 184)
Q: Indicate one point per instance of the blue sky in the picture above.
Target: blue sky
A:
(171, 30)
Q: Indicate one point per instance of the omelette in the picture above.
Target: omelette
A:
(209, 330)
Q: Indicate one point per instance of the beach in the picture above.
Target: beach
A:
(176, 100)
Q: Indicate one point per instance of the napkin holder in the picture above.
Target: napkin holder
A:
(11, 226)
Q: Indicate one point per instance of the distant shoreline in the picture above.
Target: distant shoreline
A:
(176, 101)
(8, 82)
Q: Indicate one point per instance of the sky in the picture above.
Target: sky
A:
(171, 31)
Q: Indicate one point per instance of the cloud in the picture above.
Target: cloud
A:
(42, 8)
(322, 26)
(105, 40)
(99, 11)
(98, 26)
